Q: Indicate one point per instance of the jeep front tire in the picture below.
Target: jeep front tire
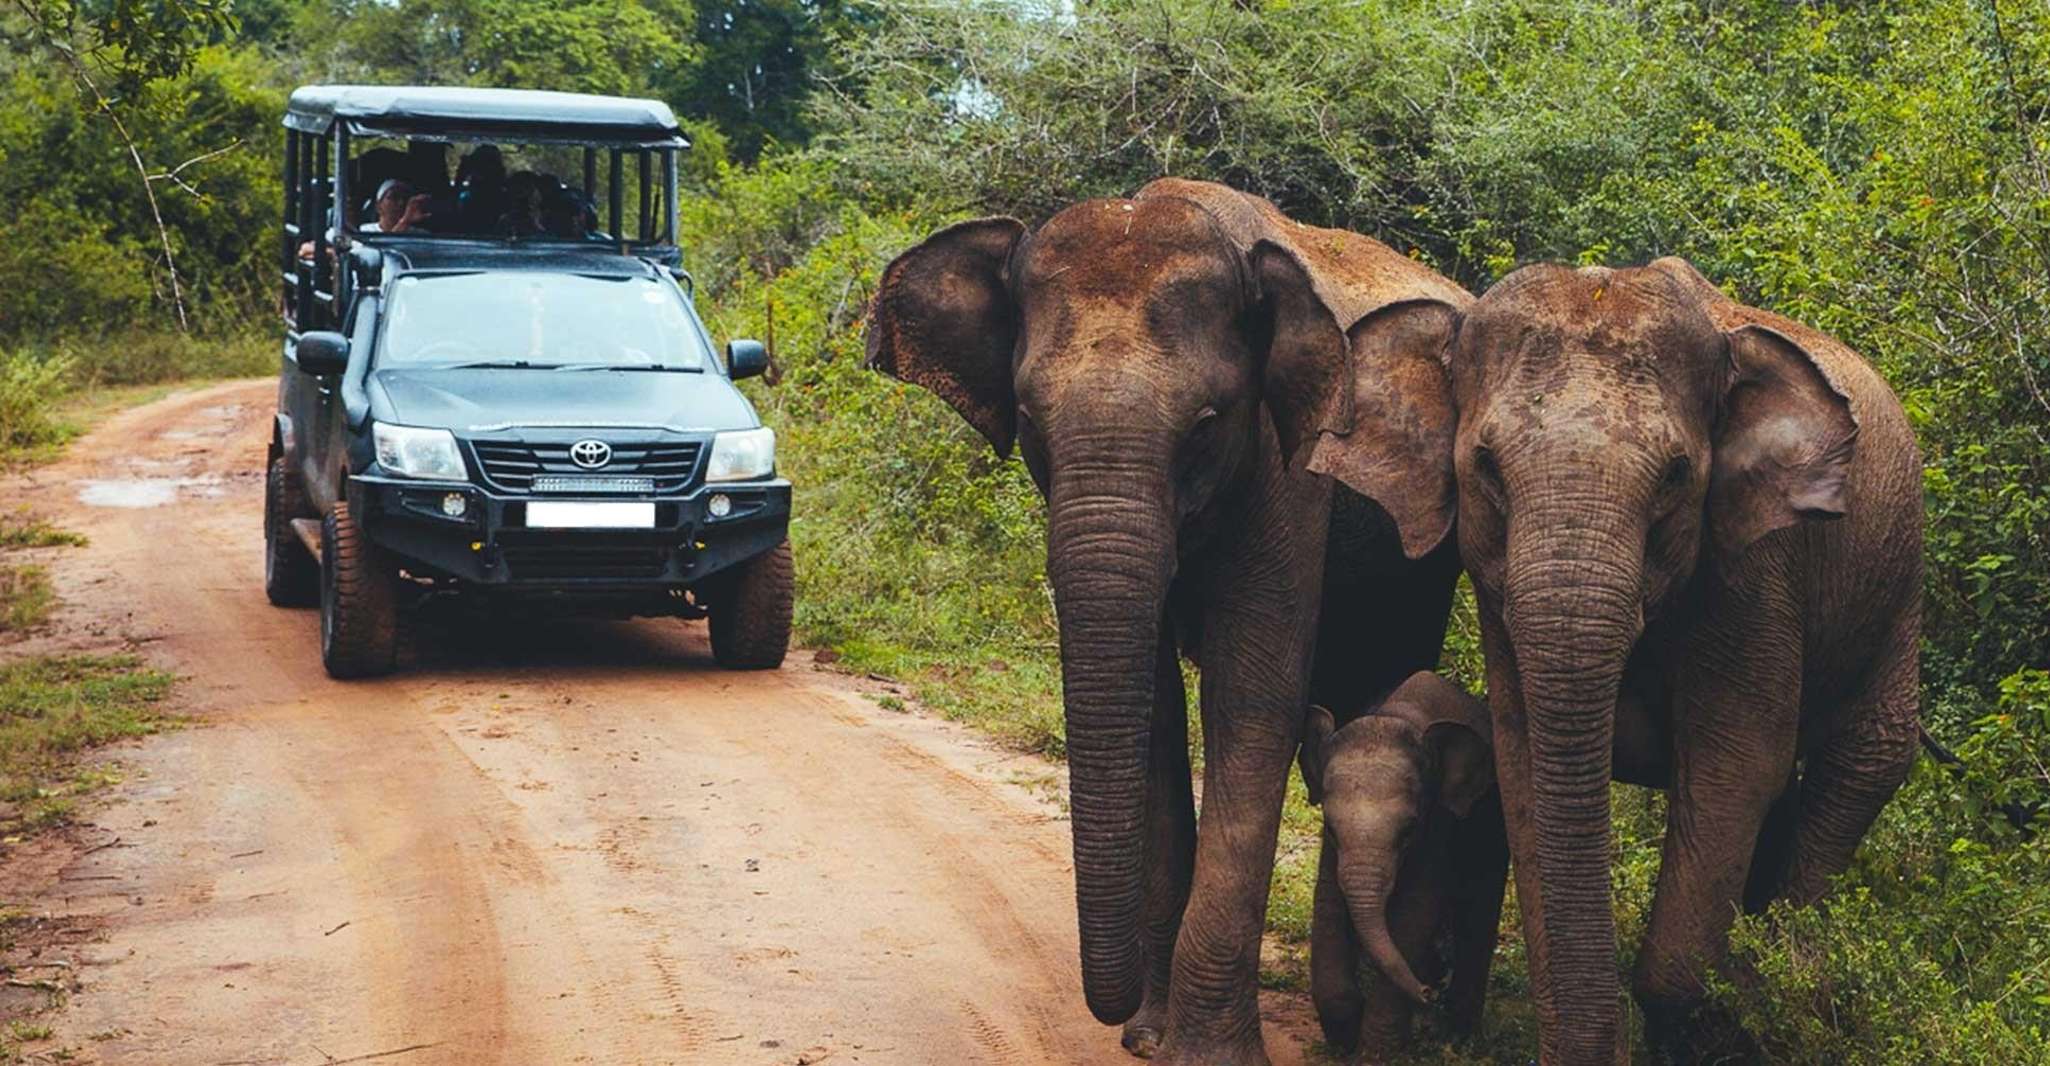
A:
(359, 600)
(291, 575)
(750, 612)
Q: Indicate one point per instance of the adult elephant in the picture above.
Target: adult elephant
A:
(1694, 530)
(1165, 363)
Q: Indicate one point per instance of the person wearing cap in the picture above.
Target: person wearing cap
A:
(398, 209)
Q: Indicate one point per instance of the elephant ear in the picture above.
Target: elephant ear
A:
(1307, 373)
(1458, 730)
(1783, 442)
(1316, 751)
(944, 319)
(1466, 764)
(1399, 450)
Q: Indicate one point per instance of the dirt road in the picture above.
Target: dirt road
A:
(578, 844)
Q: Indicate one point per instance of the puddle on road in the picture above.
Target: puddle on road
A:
(138, 492)
(218, 420)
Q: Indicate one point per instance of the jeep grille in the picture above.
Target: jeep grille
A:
(512, 466)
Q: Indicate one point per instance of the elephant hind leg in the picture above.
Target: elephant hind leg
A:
(1853, 773)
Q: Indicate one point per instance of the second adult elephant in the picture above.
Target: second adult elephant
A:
(1165, 364)
(1694, 533)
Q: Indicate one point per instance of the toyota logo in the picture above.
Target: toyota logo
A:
(590, 454)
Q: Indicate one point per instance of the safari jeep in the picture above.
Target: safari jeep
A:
(494, 384)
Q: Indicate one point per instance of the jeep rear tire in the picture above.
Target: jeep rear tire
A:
(291, 575)
(359, 601)
(750, 611)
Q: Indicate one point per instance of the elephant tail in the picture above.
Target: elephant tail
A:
(1937, 751)
(2020, 815)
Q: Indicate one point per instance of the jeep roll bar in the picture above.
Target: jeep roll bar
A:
(321, 120)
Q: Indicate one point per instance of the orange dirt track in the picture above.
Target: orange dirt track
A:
(563, 843)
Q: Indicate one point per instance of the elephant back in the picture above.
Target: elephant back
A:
(1353, 274)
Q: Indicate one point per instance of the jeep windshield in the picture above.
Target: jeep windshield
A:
(536, 320)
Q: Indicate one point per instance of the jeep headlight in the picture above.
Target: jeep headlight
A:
(742, 454)
(410, 451)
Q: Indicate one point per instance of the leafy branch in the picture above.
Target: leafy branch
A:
(135, 43)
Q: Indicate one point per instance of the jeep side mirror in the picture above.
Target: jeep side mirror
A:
(744, 359)
(322, 353)
(368, 265)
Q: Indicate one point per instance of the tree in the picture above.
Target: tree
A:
(756, 66)
(113, 51)
(619, 47)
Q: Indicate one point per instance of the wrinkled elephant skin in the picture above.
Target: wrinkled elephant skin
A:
(1706, 519)
(1413, 856)
(1166, 364)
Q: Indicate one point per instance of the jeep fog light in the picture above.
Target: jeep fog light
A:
(720, 506)
(455, 505)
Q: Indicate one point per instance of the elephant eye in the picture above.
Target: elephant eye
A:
(1678, 471)
(1030, 447)
(1202, 429)
(1488, 473)
(1484, 463)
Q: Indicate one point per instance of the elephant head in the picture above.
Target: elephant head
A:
(1383, 779)
(1146, 366)
(1609, 440)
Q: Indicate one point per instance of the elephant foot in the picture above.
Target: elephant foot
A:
(1195, 1053)
(1142, 1038)
(1697, 1033)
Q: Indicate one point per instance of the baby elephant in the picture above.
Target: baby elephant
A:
(1414, 857)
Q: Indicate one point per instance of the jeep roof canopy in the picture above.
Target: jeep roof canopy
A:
(323, 123)
(458, 113)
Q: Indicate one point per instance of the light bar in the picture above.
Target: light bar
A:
(581, 483)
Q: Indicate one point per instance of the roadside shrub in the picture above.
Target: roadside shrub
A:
(29, 387)
(156, 356)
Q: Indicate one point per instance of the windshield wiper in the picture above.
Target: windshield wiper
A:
(500, 364)
(663, 368)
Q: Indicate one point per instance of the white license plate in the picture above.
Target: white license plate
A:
(569, 514)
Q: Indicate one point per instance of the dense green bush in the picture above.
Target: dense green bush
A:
(27, 385)
(79, 249)
(1876, 170)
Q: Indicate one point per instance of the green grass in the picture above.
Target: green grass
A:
(23, 529)
(53, 707)
(25, 598)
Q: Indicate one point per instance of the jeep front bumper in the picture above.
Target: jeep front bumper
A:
(489, 541)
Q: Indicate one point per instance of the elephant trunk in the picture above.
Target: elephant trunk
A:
(1367, 883)
(1111, 553)
(1573, 610)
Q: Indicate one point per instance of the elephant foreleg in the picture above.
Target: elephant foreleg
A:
(1736, 711)
(1334, 957)
(1481, 875)
(1170, 847)
(1255, 682)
